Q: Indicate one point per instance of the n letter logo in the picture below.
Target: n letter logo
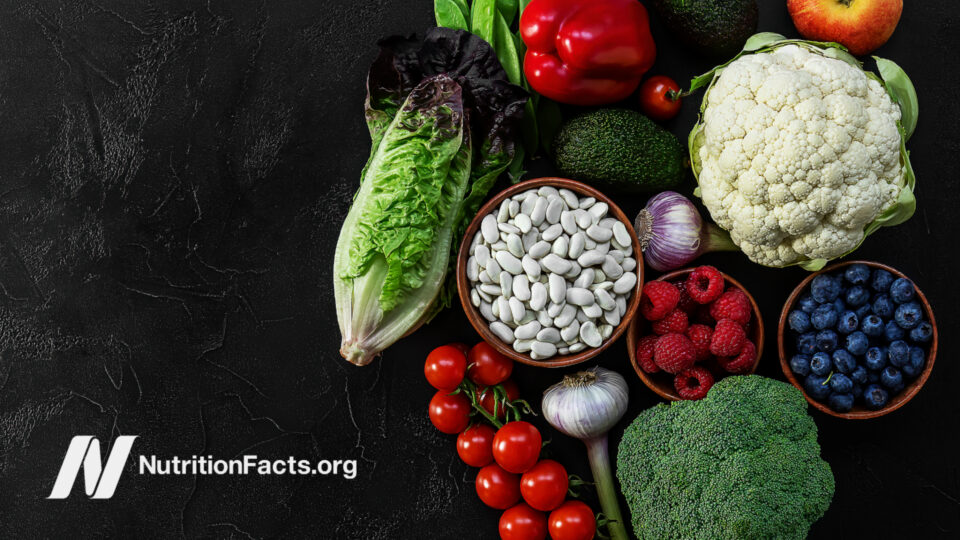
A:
(100, 481)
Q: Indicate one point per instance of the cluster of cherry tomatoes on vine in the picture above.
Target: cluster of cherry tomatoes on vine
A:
(477, 401)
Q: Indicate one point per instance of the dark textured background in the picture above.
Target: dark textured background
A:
(173, 175)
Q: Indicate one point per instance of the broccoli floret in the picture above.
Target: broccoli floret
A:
(743, 462)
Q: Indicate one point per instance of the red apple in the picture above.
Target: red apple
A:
(859, 25)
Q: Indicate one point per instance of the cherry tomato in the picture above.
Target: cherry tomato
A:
(445, 367)
(497, 488)
(523, 523)
(516, 446)
(487, 366)
(449, 414)
(544, 487)
(475, 445)
(654, 99)
(573, 520)
(487, 397)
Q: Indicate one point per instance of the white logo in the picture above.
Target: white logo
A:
(99, 481)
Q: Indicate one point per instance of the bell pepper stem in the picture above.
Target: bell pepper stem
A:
(599, 458)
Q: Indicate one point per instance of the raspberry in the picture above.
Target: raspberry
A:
(685, 303)
(742, 362)
(659, 298)
(693, 383)
(728, 338)
(732, 304)
(645, 354)
(674, 323)
(700, 335)
(705, 284)
(674, 353)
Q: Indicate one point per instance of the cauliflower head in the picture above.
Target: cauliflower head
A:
(799, 153)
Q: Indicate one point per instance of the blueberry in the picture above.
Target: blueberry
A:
(899, 353)
(902, 290)
(908, 315)
(857, 296)
(841, 403)
(873, 377)
(848, 322)
(891, 378)
(817, 387)
(922, 333)
(840, 305)
(807, 343)
(857, 391)
(800, 365)
(827, 340)
(893, 332)
(840, 383)
(863, 311)
(824, 288)
(799, 321)
(876, 358)
(859, 375)
(875, 397)
(872, 326)
(857, 274)
(820, 364)
(844, 361)
(857, 343)
(913, 368)
(825, 316)
(881, 280)
(807, 304)
(883, 306)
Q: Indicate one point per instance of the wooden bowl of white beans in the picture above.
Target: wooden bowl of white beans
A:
(549, 272)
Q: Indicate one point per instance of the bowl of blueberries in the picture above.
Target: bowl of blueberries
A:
(858, 339)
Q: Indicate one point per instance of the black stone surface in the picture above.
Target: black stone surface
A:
(173, 175)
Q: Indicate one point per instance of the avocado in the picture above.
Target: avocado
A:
(714, 28)
(621, 149)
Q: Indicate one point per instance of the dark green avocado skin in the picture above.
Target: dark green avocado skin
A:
(620, 149)
(716, 29)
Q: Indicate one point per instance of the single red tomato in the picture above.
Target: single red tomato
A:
(475, 445)
(497, 488)
(487, 366)
(445, 367)
(544, 487)
(487, 397)
(572, 520)
(523, 523)
(660, 97)
(516, 446)
(449, 414)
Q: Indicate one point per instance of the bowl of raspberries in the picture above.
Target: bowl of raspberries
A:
(696, 326)
(858, 339)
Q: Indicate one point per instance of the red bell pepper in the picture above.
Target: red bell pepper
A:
(586, 52)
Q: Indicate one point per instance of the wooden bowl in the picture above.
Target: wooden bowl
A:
(859, 412)
(463, 284)
(662, 383)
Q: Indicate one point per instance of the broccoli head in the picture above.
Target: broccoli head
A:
(741, 463)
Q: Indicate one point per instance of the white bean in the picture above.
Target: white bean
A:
(509, 262)
(517, 309)
(528, 330)
(543, 349)
(502, 331)
(600, 234)
(539, 249)
(538, 296)
(549, 335)
(531, 267)
(625, 284)
(590, 335)
(567, 315)
(621, 234)
(489, 229)
(554, 208)
(552, 233)
(579, 297)
(506, 284)
(577, 242)
(521, 287)
(539, 211)
(558, 288)
(555, 264)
